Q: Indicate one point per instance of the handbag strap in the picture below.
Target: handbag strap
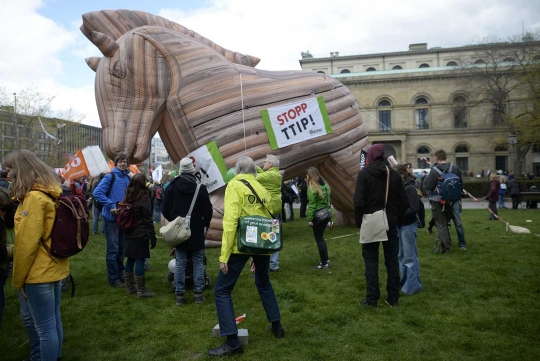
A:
(387, 182)
(256, 195)
(188, 215)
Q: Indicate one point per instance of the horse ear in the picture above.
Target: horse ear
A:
(105, 43)
(93, 62)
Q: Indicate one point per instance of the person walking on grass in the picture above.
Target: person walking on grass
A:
(369, 197)
(177, 201)
(270, 179)
(409, 265)
(110, 190)
(36, 274)
(493, 196)
(240, 201)
(137, 239)
(318, 192)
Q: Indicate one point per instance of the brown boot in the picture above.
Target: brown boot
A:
(141, 289)
(130, 283)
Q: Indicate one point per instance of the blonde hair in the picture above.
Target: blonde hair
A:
(313, 176)
(27, 170)
(493, 176)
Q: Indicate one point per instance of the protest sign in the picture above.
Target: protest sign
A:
(87, 161)
(210, 168)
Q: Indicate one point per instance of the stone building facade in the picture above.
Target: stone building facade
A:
(418, 101)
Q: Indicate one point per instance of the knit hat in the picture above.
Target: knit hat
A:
(375, 153)
(186, 166)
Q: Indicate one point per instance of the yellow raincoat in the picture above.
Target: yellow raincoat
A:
(34, 222)
(240, 202)
(271, 181)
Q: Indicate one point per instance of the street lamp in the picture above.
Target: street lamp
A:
(512, 140)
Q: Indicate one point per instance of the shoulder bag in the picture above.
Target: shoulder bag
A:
(259, 234)
(375, 225)
(323, 215)
(178, 231)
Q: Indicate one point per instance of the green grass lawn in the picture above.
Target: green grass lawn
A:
(479, 304)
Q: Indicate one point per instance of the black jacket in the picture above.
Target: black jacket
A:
(144, 221)
(514, 188)
(178, 197)
(370, 193)
(414, 200)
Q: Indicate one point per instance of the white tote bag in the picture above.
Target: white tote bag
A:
(375, 225)
(178, 231)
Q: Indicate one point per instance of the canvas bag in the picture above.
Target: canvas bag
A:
(375, 225)
(124, 217)
(178, 231)
(258, 234)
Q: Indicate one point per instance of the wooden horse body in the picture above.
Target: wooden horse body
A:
(157, 76)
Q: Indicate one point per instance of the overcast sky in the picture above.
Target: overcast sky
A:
(41, 44)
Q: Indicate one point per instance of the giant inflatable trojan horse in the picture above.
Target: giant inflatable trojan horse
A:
(158, 76)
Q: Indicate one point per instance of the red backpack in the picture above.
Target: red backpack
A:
(124, 217)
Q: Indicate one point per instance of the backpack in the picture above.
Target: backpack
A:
(449, 187)
(71, 229)
(158, 192)
(124, 217)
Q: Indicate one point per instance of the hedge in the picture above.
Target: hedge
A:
(479, 187)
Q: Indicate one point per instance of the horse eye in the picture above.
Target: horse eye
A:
(119, 69)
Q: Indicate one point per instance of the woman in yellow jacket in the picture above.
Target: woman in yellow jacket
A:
(36, 274)
(240, 201)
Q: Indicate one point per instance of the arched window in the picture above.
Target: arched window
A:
(321, 72)
(508, 60)
(462, 149)
(451, 63)
(424, 65)
(479, 61)
(421, 113)
(345, 71)
(397, 67)
(460, 112)
(423, 155)
(371, 69)
(385, 116)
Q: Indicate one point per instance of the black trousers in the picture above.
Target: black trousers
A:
(370, 252)
(318, 233)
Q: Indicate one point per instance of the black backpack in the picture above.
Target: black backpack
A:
(421, 215)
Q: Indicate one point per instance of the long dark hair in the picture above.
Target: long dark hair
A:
(136, 188)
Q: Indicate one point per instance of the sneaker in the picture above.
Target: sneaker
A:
(198, 297)
(330, 225)
(462, 248)
(118, 284)
(395, 304)
(366, 304)
(321, 266)
(180, 300)
(429, 230)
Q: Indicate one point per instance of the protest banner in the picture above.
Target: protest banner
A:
(297, 122)
(157, 173)
(87, 161)
(210, 168)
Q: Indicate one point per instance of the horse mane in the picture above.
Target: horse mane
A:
(116, 23)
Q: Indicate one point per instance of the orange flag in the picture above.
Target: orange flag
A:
(134, 169)
(76, 167)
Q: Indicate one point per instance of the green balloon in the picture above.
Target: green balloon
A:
(230, 175)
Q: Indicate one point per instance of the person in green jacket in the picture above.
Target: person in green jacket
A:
(240, 201)
(270, 179)
(318, 193)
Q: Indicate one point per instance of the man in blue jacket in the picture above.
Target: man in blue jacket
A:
(110, 190)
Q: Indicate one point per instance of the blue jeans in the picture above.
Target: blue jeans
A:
(158, 206)
(197, 260)
(501, 200)
(137, 263)
(456, 217)
(3, 280)
(115, 253)
(409, 266)
(274, 261)
(225, 284)
(41, 316)
(96, 214)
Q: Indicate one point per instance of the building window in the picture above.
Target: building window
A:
(397, 67)
(423, 152)
(463, 163)
(501, 162)
(371, 69)
(460, 112)
(462, 149)
(424, 65)
(499, 112)
(385, 116)
(479, 61)
(421, 113)
(451, 63)
(508, 60)
(345, 71)
(320, 72)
